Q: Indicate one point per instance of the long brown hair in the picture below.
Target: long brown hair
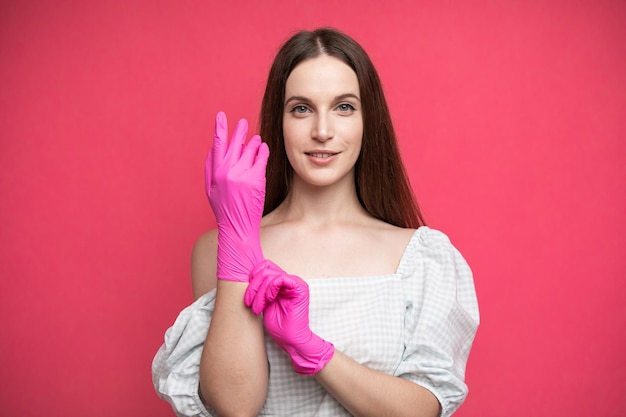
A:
(382, 184)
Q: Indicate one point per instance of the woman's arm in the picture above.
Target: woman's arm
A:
(366, 392)
(284, 301)
(233, 366)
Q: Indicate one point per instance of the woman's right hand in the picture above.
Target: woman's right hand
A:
(235, 186)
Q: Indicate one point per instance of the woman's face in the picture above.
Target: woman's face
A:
(322, 121)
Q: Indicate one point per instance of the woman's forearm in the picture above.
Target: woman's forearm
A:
(233, 367)
(365, 392)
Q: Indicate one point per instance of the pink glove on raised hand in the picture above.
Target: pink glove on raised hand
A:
(284, 301)
(235, 184)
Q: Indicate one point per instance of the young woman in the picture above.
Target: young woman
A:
(322, 293)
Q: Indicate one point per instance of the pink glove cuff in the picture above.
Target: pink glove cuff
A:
(313, 358)
(236, 253)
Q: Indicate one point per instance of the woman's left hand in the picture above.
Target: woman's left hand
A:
(284, 301)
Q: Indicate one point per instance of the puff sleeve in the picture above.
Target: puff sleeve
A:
(175, 368)
(441, 318)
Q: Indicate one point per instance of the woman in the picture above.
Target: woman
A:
(377, 312)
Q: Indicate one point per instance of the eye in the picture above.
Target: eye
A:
(300, 109)
(346, 108)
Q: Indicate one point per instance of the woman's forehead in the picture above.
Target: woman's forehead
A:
(322, 75)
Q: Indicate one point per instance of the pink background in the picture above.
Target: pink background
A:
(512, 122)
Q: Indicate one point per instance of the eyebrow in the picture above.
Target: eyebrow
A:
(337, 98)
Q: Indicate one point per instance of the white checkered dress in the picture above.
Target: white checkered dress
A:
(417, 324)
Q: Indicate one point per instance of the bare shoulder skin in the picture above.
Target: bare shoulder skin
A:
(204, 264)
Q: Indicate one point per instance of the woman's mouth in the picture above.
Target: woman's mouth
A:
(321, 158)
(320, 154)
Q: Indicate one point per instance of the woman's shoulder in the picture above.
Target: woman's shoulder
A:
(431, 238)
(204, 263)
(207, 239)
(432, 241)
(383, 245)
(428, 245)
(389, 235)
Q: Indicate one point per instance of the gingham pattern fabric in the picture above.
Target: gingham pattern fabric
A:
(417, 324)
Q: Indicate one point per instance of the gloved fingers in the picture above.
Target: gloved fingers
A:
(265, 283)
(208, 167)
(260, 301)
(237, 142)
(220, 145)
(279, 286)
(250, 152)
(254, 297)
(287, 287)
(260, 163)
(255, 281)
(217, 152)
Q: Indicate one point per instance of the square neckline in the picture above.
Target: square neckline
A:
(402, 265)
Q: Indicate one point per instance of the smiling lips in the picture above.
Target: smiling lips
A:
(321, 154)
(321, 157)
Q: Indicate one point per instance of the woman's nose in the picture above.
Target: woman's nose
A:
(322, 130)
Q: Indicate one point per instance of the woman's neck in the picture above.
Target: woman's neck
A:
(313, 205)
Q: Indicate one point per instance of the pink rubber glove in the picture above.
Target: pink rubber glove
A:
(235, 185)
(284, 301)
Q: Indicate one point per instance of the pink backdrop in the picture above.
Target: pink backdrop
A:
(511, 117)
